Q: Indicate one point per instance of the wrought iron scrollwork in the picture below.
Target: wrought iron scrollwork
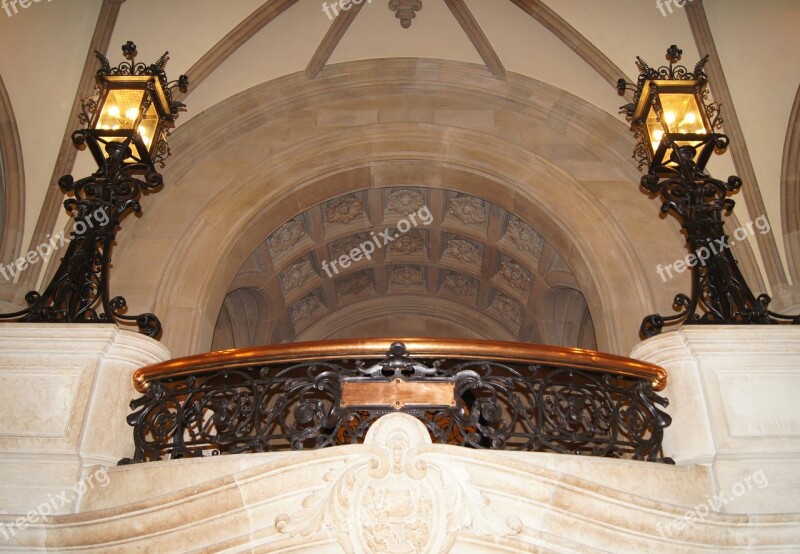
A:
(79, 292)
(720, 294)
(514, 406)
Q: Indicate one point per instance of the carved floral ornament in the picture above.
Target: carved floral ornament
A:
(344, 209)
(407, 275)
(507, 308)
(296, 275)
(401, 497)
(286, 236)
(523, 235)
(463, 251)
(468, 210)
(516, 275)
(353, 283)
(409, 243)
(459, 284)
(305, 308)
(404, 201)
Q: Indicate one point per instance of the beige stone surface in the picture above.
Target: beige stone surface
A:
(732, 392)
(65, 394)
(399, 487)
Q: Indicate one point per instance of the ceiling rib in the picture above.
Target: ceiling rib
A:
(475, 34)
(741, 157)
(52, 205)
(331, 40)
(231, 42)
(598, 61)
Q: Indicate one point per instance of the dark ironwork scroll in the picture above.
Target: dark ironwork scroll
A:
(720, 294)
(79, 290)
(498, 405)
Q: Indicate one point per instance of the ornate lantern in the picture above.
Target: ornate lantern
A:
(134, 104)
(671, 115)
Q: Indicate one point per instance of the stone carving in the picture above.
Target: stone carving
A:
(406, 276)
(401, 498)
(405, 10)
(344, 209)
(404, 201)
(507, 308)
(409, 243)
(296, 275)
(516, 275)
(305, 308)
(286, 236)
(353, 283)
(459, 284)
(463, 251)
(523, 236)
(468, 210)
(343, 247)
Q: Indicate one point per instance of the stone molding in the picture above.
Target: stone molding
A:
(342, 499)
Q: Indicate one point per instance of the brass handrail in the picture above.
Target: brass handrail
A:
(365, 349)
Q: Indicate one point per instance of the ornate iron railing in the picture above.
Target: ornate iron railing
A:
(475, 394)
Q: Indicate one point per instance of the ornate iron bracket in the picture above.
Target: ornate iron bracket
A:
(79, 290)
(720, 294)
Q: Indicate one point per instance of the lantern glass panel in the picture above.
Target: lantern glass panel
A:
(148, 128)
(680, 113)
(120, 110)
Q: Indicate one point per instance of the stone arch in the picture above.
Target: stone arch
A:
(461, 156)
(243, 313)
(250, 163)
(12, 181)
(790, 192)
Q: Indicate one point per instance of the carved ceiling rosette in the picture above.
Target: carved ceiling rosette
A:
(468, 210)
(516, 275)
(305, 308)
(343, 247)
(409, 243)
(524, 236)
(460, 284)
(296, 275)
(286, 236)
(404, 201)
(463, 251)
(353, 283)
(407, 276)
(507, 308)
(344, 209)
(400, 497)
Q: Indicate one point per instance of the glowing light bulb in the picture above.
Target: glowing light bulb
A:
(132, 113)
(658, 134)
(115, 127)
(105, 127)
(669, 117)
(113, 111)
(689, 118)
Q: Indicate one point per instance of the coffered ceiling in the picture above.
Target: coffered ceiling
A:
(432, 255)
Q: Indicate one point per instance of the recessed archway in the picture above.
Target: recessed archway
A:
(247, 166)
